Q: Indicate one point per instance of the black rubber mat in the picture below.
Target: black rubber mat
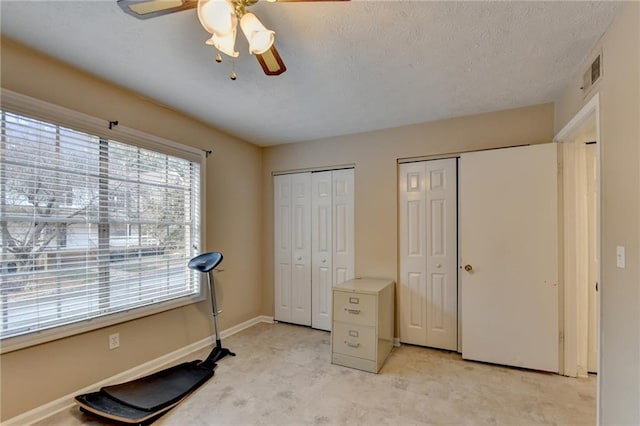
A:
(102, 405)
(158, 390)
(144, 400)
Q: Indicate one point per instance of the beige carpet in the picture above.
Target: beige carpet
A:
(282, 375)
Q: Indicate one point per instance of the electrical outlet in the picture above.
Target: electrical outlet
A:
(114, 340)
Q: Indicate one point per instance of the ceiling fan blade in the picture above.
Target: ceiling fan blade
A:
(271, 62)
(145, 9)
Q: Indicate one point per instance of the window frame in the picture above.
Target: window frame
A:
(17, 103)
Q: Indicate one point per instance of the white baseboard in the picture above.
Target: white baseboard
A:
(42, 412)
(243, 326)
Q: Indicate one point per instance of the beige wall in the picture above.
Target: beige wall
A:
(619, 93)
(35, 376)
(374, 155)
(241, 226)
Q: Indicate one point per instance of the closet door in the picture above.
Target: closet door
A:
(292, 248)
(442, 253)
(509, 240)
(428, 254)
(333, 239)
(343, 225)
(301, 248)
(282, 247)
(314, 242)
(322, 251)
(413, 265)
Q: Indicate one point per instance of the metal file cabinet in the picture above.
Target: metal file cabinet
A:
(362, 332)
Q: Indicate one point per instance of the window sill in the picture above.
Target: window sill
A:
(37, 338)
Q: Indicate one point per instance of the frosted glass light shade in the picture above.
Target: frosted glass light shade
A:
(225, 44)
(217, 16)
(260, 39)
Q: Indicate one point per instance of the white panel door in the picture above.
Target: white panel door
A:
(509, 241)
(314, 243)
(301, 248)
(343, 225)
(413, 258)
(442, 253)
(332, 238)
(428, 254)
(282, 247)
(322, 250)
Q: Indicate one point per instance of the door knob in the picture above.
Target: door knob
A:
(439, 265)
(468, 268)
(299, 258)
(324, 260)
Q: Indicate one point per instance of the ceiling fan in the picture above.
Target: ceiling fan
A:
(220, 18)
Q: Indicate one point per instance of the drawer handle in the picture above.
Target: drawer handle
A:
(351, 345)
(353, 311)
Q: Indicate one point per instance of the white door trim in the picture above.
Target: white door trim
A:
(593, 106)
(568, 363)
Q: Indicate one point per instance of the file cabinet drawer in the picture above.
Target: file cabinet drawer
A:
(354, 340)
(354, 308)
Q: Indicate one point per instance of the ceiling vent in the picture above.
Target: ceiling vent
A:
(592, 74)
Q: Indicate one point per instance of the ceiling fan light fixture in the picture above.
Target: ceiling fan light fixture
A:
(217, 16)
(260, 38)
(225, 44)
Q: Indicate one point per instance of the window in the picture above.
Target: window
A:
(91, 227)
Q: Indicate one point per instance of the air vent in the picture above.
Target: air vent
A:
(592, 74)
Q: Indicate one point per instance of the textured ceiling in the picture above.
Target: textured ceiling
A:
(351, 66)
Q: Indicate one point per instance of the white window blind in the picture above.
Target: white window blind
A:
(90, 227)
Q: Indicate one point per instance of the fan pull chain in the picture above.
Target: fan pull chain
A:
(233, 74)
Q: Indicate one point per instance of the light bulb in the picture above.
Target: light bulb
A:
(217, 16)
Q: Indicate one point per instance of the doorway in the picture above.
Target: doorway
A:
(580, 202)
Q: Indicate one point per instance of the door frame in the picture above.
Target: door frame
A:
(568, 357)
